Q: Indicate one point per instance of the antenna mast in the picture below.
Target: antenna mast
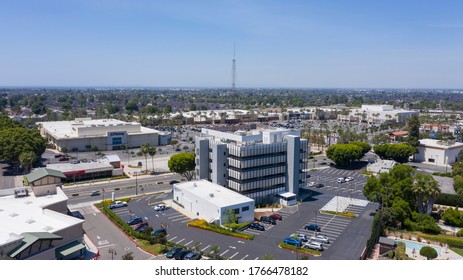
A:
(233, 70)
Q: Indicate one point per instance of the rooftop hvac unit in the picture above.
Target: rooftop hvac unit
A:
(211, 195)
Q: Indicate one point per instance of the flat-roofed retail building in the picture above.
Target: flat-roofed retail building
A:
(202, 199)
(85, 134)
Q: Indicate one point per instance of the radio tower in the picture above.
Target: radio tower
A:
(233, 70)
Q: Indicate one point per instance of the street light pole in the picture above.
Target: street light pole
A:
(136, 183)
(113, 253)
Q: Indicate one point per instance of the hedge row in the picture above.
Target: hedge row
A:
(207, 226)
(344, 214)
(450, 240)
(450, 199)
(299, 249)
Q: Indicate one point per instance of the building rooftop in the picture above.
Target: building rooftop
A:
(40, 173)
(87, 127)
(440, 144)
(253, 136)
(215, 194)
(27, 215)
(77, 168)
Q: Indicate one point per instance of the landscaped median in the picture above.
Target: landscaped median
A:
(202, 224)
(344, 214)
(306, 251)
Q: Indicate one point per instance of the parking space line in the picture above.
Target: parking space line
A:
(233, 256)
(188, 243)
(224, 252)
(179, 219)
(172, 238)
(256, 258)
(176, 216)
(245, 257)
(185, 221)
(203, 249)
(180, 241)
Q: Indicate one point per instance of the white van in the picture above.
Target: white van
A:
(341, 180)
(21, 192)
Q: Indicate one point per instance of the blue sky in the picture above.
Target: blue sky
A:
(355, 44)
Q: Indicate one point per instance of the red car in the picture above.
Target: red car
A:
(63, 159)
(276, 216)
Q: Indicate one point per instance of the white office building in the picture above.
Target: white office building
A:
(84, 134)
(438, 152)
(202, 199)
(257, 164)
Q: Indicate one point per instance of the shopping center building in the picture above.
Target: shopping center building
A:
(85, 134)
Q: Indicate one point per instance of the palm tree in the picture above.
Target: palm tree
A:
(144, 150)
(152, 152)
(426, 189)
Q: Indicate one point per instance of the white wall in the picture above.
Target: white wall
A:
(441, 157)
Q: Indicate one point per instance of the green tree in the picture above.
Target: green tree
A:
(145, 150)
(26, 159)
(402, 209)
(429, 252)
(183, 164)
(452, 217)
(128, 256)
(344, 154)
(152, 153)
(414, 132)
(365, 147)
(373, 190)
(131, 106)
(398, 152)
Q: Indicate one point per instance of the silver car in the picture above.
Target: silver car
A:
(320, 238)
(313, 245)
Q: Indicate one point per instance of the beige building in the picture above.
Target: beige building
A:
(35, 224)
(84, 134)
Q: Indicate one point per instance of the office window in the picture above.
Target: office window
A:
(246, 208)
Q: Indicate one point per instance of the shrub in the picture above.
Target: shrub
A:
(460, 233)
(449, 199)
(428, 252)
(443, 174)
(212, 227)
(453, 217)
(299, 249)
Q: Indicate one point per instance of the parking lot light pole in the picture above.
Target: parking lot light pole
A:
(136, 183)
(113, 253)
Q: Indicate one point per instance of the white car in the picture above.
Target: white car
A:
(311, 184)
(300, 236)
(313, 245)
(118, 204)
(160, 207)
(348, 179)
(320, 238)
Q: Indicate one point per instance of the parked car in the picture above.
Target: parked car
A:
(292, 241)
(311, 184)
(268, 220)
(348, 179)
(63, 159)
(313, 227)
(180, 255)
(308, 176)
(320, 238)
(170, 254)
(95, 193)
(256, 226)
(192, 256)
(59, 155)
(159, 231)
(319, 185)
(341, 180)
(135, 221)
(141, 229)
(178, 150)
(171, 182)
(313, 245)
(118, 204)
(276, 216)
(300, 236)
(142, 224)
(160, 207)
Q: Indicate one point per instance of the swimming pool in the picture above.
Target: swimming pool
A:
(417, 246)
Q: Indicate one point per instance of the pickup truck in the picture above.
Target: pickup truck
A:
(118, 204)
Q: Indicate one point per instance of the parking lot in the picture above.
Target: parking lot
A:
(329, 176)
(340, 230)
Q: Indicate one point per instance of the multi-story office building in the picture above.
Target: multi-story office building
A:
(262, 165)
